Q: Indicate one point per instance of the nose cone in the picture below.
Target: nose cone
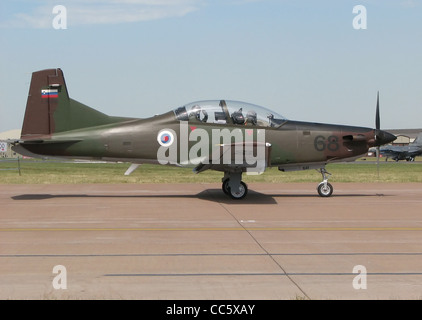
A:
(384, 137)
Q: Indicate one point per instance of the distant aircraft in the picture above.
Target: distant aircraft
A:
(407, 153)
(228, 136)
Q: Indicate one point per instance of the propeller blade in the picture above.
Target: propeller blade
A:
(381, 137)
(378, 131)
(377, 114)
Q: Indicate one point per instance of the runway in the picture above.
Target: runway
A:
(190, 241)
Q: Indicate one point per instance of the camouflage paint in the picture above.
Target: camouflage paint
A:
(63, 127)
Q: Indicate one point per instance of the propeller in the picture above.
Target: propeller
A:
(381, 137)
(378, 131)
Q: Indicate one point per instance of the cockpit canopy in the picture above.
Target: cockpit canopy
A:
(228, 112)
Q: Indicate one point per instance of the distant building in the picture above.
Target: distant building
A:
(7, 135)
(404, 136)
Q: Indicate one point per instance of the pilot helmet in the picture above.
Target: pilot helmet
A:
(195, 111)
(251, 117)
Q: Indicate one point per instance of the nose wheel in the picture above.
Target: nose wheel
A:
(325, 189)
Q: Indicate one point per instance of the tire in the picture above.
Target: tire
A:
(225, 187)
(243, 191)
(325, 191)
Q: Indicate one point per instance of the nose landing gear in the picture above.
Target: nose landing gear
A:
(325, 189)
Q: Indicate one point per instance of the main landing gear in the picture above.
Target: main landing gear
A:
(325, 189)
(233, 185)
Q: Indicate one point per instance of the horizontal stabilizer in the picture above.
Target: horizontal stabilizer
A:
(132, 168)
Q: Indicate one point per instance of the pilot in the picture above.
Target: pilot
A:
(238, 117)
(195, 114)
(251, 118)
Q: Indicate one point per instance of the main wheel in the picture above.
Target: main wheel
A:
(325, 190)
(241, 193)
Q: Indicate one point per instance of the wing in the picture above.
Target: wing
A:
(252, 157)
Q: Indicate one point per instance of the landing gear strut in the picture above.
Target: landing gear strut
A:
(325, 189)
(233, 186)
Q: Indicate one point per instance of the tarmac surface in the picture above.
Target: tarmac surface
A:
(190, 241)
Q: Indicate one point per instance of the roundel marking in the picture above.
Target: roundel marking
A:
(165, 138)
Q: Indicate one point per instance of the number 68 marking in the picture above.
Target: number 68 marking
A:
(331, 143)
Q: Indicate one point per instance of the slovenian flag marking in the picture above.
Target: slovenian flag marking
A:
(49, 93)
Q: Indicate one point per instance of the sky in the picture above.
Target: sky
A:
(304, 59)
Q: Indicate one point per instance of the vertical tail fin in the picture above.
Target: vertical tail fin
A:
(418, 140)
(50, 110)
(43, 100)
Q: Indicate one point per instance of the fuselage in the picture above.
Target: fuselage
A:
(136, 141)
